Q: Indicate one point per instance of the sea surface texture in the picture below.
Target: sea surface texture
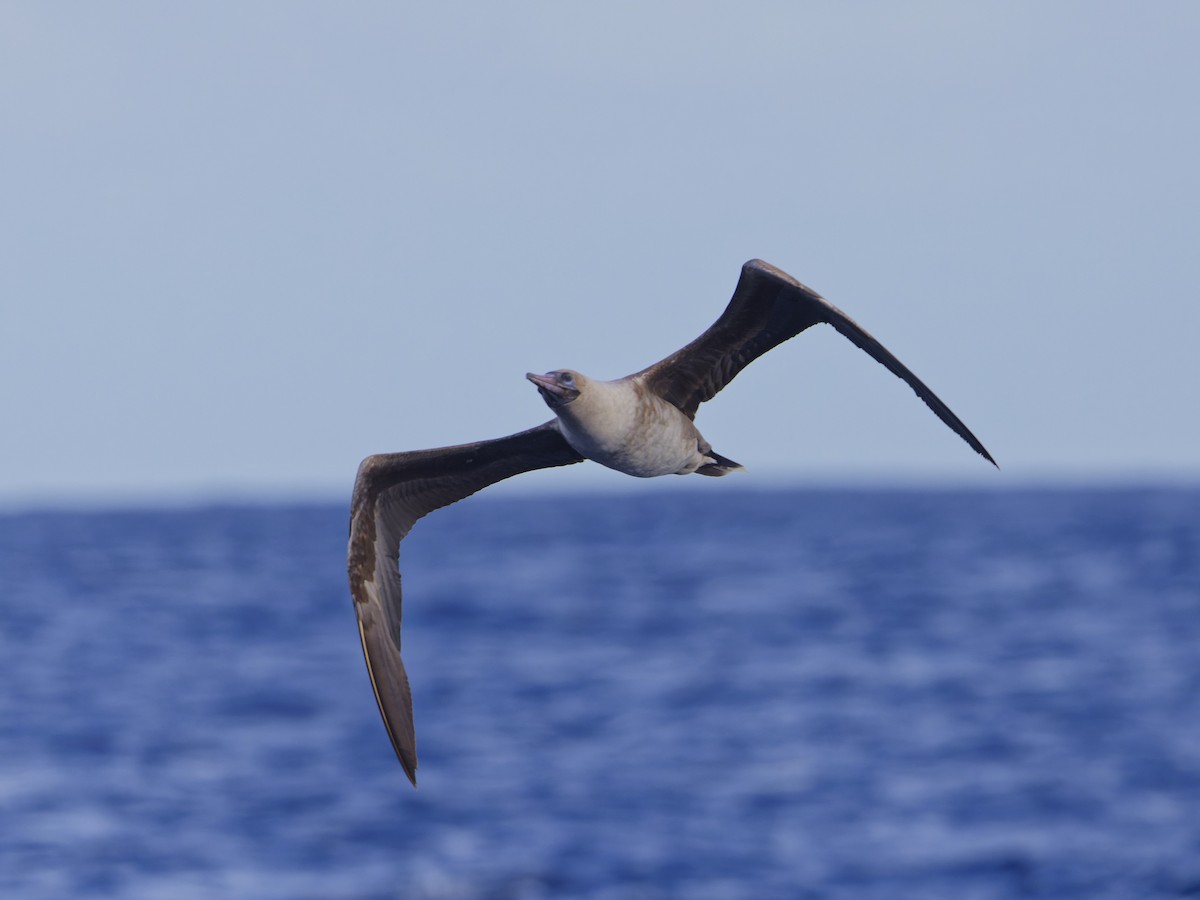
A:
(676, 694)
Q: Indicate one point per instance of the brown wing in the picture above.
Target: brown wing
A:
(391, 492)
(768, 307)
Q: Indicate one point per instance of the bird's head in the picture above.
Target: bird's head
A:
(558, 388)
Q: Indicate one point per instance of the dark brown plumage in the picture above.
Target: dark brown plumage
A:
(391, 492)
(640, 414)
(768, 307)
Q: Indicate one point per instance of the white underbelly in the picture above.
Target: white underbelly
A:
(669, 447)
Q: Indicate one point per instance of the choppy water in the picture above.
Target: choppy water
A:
(888, 694)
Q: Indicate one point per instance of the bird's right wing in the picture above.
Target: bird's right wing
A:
(391, 492)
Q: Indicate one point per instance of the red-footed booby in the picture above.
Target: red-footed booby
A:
(641, 425)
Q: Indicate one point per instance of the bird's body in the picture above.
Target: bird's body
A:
(623, 425)
(641, 425)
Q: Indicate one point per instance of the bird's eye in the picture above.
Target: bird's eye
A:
(565, 378)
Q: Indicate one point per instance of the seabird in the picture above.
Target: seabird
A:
(641, 425)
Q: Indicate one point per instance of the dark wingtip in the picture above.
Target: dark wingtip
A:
(408, 762)
(408, 758)
(957, 426)
(963, 432)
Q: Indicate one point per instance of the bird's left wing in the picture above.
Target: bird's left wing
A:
(391, 492)
(769, 306)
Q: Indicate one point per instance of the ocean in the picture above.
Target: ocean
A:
(884, 693)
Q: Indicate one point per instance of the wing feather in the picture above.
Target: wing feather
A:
(392, 491)
(769, 307)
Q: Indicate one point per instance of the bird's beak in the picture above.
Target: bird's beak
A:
(546, 383)
(552, 392)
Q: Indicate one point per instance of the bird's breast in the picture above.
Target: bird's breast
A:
(642, 435)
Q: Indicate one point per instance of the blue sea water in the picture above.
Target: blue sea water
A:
(678, 694)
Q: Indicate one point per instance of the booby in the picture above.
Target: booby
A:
(642, 425)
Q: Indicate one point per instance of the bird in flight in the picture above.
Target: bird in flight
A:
(641, 425)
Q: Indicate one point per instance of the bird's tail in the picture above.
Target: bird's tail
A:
(720, 465)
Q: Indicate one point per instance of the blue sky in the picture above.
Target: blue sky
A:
(244, 245)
